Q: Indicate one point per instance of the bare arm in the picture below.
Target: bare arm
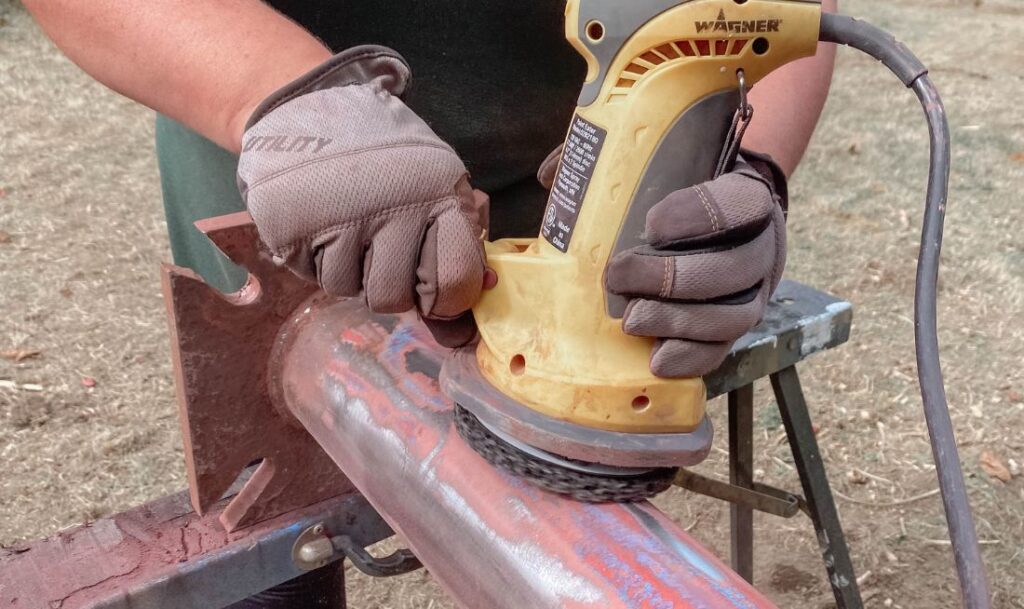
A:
(206, 64)
(788, 103)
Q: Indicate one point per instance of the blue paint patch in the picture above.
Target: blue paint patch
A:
(693, 559)
(643, 549)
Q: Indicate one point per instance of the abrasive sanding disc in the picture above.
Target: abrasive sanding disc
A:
(587, 486)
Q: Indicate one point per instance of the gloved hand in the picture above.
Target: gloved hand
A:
(349, 188)
(714, 254)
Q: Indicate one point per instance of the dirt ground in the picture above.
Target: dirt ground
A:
(88, 427)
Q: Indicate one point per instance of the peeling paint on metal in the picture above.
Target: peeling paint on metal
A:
(520, 509)
(817, 331)
(772, 340)
(106, 533)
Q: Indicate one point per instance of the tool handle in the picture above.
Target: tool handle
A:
(687, 155)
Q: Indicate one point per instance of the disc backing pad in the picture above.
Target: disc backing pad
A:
(590, 487)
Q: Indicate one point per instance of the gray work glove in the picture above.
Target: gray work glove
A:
(714, 254)
(352, 190)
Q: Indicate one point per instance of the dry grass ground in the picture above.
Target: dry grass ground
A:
(81, 235)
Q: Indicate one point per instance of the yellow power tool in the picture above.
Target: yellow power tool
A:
(555, 392)
(554, 381)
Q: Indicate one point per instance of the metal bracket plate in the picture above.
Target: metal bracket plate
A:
(221, 345)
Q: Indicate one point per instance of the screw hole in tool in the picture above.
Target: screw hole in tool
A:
(518, 365)
(761, 46)
(641, 403)
(595, 31)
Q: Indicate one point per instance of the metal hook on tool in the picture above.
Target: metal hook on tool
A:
(745, 109)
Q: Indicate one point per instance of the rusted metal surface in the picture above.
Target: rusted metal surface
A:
(163, 555)
(366, 387)
(221, 345)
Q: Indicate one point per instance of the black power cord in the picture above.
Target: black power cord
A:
(839, 29)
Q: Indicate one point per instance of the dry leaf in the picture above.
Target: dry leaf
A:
(19, 354)
(856, 477)
(1017, 156)
(1014, 397)
(993, 465)
(88, 381)
(5, 237)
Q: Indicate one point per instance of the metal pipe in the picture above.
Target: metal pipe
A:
(365, 387)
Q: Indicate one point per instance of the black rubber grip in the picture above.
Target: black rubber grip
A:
(881, 45)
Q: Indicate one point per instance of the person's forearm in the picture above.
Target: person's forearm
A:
(206, 64)
(788, 103)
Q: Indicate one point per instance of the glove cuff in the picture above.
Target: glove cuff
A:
(365, 64)
(771, 172)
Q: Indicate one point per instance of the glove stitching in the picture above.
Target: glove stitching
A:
(480, 255)
(291, 168)
(285, 250)
(665, 279)
(707, 207)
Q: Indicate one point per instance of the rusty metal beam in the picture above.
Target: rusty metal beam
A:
(366, 387)
(163, 555)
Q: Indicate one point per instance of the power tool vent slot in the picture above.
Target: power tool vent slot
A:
(672, 52)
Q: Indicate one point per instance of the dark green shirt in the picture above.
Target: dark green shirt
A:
(495, 79)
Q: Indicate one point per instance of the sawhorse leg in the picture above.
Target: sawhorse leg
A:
(741, 473)
(817, 492)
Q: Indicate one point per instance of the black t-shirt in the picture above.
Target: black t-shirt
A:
(496, 79)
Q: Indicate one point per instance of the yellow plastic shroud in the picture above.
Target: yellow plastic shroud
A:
(547, 338)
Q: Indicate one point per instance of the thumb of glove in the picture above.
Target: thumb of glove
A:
(444, 296)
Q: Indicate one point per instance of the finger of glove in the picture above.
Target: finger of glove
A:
(389, 276)
(674, 358)
(477, 207)
(548, 168)
(699, 322)
(737, 203)
(698, 276)
(339, 264)
(451, 268)
(779, 226)
(452, 333)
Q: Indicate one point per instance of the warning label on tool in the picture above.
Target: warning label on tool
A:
(582, 148)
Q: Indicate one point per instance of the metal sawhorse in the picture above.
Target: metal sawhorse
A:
(799, 322)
